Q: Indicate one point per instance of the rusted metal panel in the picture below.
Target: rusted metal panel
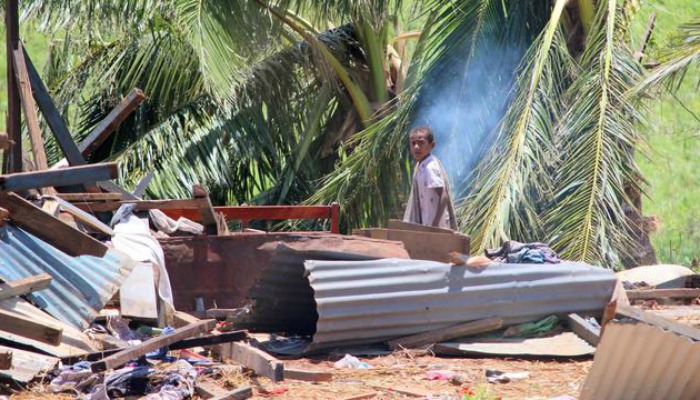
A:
(640, 361)
(223, 269)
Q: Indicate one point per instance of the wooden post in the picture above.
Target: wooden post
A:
(13, 163)
(111, 122)
(335, 215)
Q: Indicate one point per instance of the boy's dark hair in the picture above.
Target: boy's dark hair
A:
(424, 129)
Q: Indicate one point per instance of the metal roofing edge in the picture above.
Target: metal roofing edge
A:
(81, 285)
(371, 301)
(640, 361)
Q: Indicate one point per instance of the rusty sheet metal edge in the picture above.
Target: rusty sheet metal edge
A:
(81, 285)
(640, 361)
(362, 302)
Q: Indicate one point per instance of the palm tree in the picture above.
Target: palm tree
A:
(261, 101)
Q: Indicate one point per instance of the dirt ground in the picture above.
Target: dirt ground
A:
(402, 372)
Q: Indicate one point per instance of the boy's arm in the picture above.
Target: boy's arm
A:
(442, 205)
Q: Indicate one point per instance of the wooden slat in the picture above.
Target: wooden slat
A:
(59, 177)
(663, 293)
(50, 229)
(211, 391)
(141, 205)
(122, 357)
(5, 359)
(308, 376)
(87, 197)
(262, 363)
(29, 107)
(23, 286)
(206, 210)
(26, 365)
(584, 329)
(411, 226)
(28, 328)
(52, 116)
(13, 159)
(105, 128)
(661, 322)
(450, 332)
(85, 218)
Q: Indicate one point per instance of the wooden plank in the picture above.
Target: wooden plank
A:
(663, 293)
(5, 359)
(105, 128)
(141, 205)
(53, 118)
(258, 212)
(206, 210)
(181, 318)
(584, 329)
(85, 218)
(19, 325)
(137, 295)
(87, 197)
(450, 332)
(27, 365)
(59, 177)
(23, 286)
(411, 226)
(262, 363)
(13, 159)
(50, 229)
(661, 322)
(120, 358)
(210, 390)
(426, 245)
(308, 376)
(29, 107)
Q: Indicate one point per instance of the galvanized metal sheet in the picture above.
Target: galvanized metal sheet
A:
(26, 365)
(81, 285)
(371, 301)
(640, 361)
(565, 344)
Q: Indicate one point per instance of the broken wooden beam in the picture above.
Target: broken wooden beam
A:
(49, 228)
(122, 357)
(450, 332)
(663, 293)
(584, 329)
(105, 128)
(664, 323)
(22, 326)
(260, 362)
(86, 197)
(211, 391)
(209, 220)
(308, 376)
(23, 286)
(5, 359)
(140, 205)
(59, 177)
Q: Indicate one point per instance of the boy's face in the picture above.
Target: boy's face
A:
(420, 146)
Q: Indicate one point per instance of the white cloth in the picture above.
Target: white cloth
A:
(428, 177)
(133, 237)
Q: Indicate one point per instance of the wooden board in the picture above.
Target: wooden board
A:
(206, 210)
(137, 295)
(59, 177)
(86, 197)
(5, 359)
(50, 229)
(26, 365)
(584, 329)
(663, 293)
(23, 326)
(410, 226)
(23, 286)
(262, 363)
(122, 357)
(211, 391)
(308, 376)
(424, 245)
(450, 332)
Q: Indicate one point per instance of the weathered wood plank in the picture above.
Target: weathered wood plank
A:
(584, 329)
(59, 177)
(685, 293)
(84, 217)
(105, 128)
(661, 322)
(206, 210)
(49, 228)
(262, 363)
(5, 359)
(23, 286)
(87, 197)
(120, 358)
(140, 205)
(450, 332)
(411, 226)
(25, 327)
(27, 365)
(211, 391)
(308, 376)
(13, 158)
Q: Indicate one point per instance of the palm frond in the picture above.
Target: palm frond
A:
(597, 138)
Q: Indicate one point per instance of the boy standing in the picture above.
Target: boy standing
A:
(430, 203)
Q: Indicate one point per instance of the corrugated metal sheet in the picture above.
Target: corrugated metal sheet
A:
(27, 365)
(371, 301)
(81, 285)
(565, 344)
(640, 361)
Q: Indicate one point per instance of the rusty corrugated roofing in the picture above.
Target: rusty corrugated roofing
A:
(640, 361)
(81, 285)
